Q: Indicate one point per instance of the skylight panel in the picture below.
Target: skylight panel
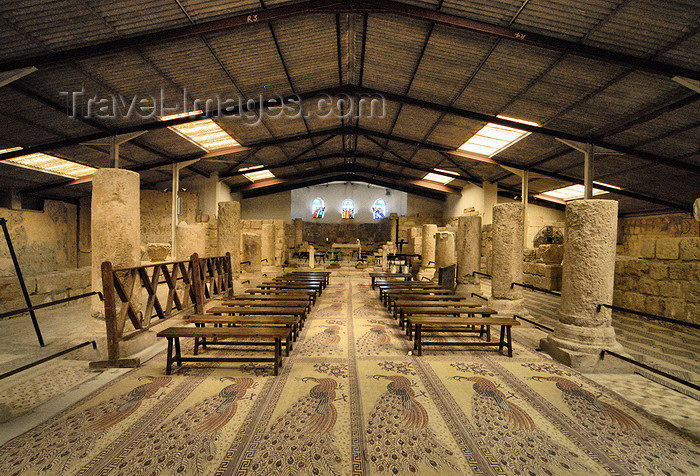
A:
(206, 134)
(433, 177)
(50, 164)
(493, 138)
(257, 174)
(573, 192)
(180, 115)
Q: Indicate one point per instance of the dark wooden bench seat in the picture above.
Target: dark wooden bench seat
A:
(434, 301)
(257, 336)
(448, 324)
(404, 307)
(301, 280)
(299, 311)
(282, 292)
(324, 274)
(453, 313)
(292, 322)
(243, 301)
(393, 294)
(387, 276)
(292, 287)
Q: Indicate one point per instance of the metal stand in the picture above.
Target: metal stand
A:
(3, 222)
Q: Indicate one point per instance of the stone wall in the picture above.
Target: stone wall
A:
(664, 281)
(408, 222)
(44, 287)
(156, 214)
(633, 232)
(542, 266)
(255, 226)
(43, 241)
(347, 232)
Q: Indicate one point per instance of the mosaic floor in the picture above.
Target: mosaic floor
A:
(350, 400)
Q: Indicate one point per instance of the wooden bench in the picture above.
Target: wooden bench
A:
(404, 276)
(292, 322)
(291, 287)
(449, 313)
(258, 336)
(301, 280)
(248, 301)
(324, 274)
(403, 308)
(392, 295)
(385, 288)
(282, 292)
(447, 324)
(297, 311)
(434, 301)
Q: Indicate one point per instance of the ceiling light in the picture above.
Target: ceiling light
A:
(258, 174)
(50, 164)
(9, 149)
(494, 138)
(206, 134)
(572, 192)
(438, 178)
(443, 171)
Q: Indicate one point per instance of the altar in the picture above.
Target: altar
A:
(345, 249)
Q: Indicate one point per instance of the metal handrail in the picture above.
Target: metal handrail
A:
(536, 324)
(650, 369)
(534, 288)
(52, 303)
(479, 296)
(650, 316)
(481, 274)
(46, 359)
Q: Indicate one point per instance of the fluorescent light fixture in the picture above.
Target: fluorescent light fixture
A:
(258, 174)
(438, 178)
(494, 138)
(573, 192)
(206, 134)
(443, 171)
(9, 149)
(180, 115)
(50, 164)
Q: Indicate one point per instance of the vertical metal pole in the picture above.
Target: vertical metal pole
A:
(588, 160)
(3, 222)
(173, 216)
(526, 191)
(114, 152)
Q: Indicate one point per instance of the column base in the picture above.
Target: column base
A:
(466, 289)
(427, 273)
(584, 357)
(508, 307)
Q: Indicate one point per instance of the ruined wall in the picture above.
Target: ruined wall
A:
(408, 222)
(665, 280)
(281, 239)
(633, 231)
(155, 214)
(44, 241)
(347, 232)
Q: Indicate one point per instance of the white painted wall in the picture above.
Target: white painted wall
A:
(276, 206)
(472, 196)
(333, 195)
(538, 217)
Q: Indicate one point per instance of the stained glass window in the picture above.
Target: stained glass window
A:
(379, 209)
(348, 209)
(318, 208)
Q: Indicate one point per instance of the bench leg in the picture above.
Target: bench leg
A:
(510, 343)
(178, 356)
(288, 346)
(196, 345)
(278, 358)
(502, 342)
(488, 333)
(169, 361)
(419, 342)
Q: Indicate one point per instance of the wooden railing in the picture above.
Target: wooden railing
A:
(199, 279)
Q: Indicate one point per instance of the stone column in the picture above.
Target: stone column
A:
(190, 239)
(507, 259)
(252, 248)
(229, 233)
(428, 246)
(468, 253)
(415, 240)
(268, 244)
(394, 217)
(312, 257)
(444, 249)
(115, 225)
(588, 278)
(298, 231)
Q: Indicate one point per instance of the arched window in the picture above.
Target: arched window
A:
(379, 209)
(348, 209)
(318, 208)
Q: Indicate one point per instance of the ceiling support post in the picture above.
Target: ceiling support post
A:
(588, 161)
(525, 189)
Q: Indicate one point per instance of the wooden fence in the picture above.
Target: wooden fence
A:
(199, 279)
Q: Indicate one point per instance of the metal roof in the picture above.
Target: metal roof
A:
(621, 74)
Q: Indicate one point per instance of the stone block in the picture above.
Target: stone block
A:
(158, 251)
(654, 305)
(690, 291)
(658, 270)
(637, 267)
(530, 254)
(648, 286)
(50, 282)
(668, 248)
(551, 253)
(670, 289)
(692, 312)
(690, 249)
(552, 271)
(530, 268)
(682, 271)
(674, 308)
(648, 249)
(632, 300)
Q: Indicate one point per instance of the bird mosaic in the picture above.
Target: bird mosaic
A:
(52, 448)
(301, 439)
(187, 443)
(330, 311)
(506, 427)
(366, 310)
(324, 343)
(399, 439)
(640, 449)
(375, 341)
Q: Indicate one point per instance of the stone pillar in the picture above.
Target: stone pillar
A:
(507, 259)
(268, 244)
(252, 249)
(298, 231)
(312, 257)
(229, 233)
(490, 191)
(415, 240)
(115, 225)
(428, 246)
(444, 249)
(468, 253)
(588, 278)
(394, 217)
(385, 262)
(190, 239)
